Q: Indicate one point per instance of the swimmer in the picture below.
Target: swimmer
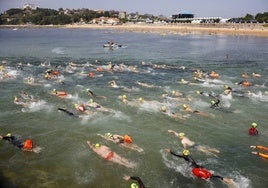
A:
(186, 142)
(253, 131)
(59, 93)
(97, 106)
(147, 85)
(264, 155)
(200, 171)
(124, 141)
(255, 75)
(187, 108)
(91, 94)
(113, 84)
(134, 185)
(27, 145)
(106, 153)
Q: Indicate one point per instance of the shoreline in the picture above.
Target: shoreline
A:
(163, 29)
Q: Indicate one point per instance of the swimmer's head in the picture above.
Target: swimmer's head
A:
(140, 99)
(75, 105)
(97, 145)
(181, 134)
(254, 125)
(197, 92)
(212, 102)
(8, 135)
(164, 108)
(108, 135)
(134, 185)
(90, 101)
(124, 97)
(186, 152)
(185, 106)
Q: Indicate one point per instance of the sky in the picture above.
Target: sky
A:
(200, 8)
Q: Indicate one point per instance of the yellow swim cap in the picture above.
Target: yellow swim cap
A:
(141, 99)
(134, 185)
(164, 108)
(186, 152)
(108, 135)
(124, 96)
(212, 102)
(197, 92)
(181, 134)
(54, 90)
(75, 105)
(9, 135)
(185, 106)
(90, 101)
(254, 124)
(97, 146)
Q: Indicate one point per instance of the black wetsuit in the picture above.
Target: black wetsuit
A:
(187, 158)
(67, 112)
(13, 140)
(141, 185)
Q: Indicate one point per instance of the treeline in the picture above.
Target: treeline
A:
(258, 18)
(45, 16)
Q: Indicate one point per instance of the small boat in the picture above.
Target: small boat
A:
(112, 45)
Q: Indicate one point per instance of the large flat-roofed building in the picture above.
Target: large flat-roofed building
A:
(182, 16)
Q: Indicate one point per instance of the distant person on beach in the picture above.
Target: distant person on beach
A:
(187, 143)
(139, 183)
(253, 131)
(27, 145)
(106, 153)
(200, 171)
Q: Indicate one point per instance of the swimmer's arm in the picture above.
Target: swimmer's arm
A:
(174, 132)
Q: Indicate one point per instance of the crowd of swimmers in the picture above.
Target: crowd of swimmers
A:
(90, 107)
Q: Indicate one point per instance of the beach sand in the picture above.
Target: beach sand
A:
(163, 29)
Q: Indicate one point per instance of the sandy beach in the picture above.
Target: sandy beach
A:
(163, 29)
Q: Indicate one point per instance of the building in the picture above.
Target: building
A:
(182, 16)
(29, 6)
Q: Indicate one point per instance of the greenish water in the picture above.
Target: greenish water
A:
(66, 161)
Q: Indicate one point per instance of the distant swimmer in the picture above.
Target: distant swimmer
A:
(187, 108)
(263, 155)
(245, 83)
(172, 114)
(139, 183)
(256, 75)
(253, 131)
(106, 153)
(113, 84)
(27, 145)
(214, 75)
(91, 94)
(147, 85)
(200, 171)
(59, 93)
(124, 141)
(186, 142)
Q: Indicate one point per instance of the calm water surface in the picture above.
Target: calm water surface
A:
(66, 161)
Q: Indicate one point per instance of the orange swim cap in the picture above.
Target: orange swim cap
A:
(127, 139)
(28, 144)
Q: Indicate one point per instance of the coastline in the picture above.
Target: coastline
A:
(163, 29)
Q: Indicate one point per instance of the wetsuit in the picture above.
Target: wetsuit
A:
(141, 185)
(187, 158)
(67, 112)
(13, 140)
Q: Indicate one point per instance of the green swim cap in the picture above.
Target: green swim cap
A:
(134, 185)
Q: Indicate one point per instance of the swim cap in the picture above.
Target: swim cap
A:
(254, 124)
(8, 135)
(226, 86)
(212, 102)
(124, 96)
(185, 106)
(173, 92)
(75, 105)
(90, 101)
(134, 185)
(97, 146)
(28, 144)
(164, 108)
(54, 90)
(108, 135)
(197, 92)
(181, 134)
(141, 99)
(186, 152)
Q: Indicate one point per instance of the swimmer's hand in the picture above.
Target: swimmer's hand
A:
(253, 146)
(126, 177)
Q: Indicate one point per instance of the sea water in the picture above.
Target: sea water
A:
(65, 159)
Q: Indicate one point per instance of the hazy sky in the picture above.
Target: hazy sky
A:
(200, 8)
